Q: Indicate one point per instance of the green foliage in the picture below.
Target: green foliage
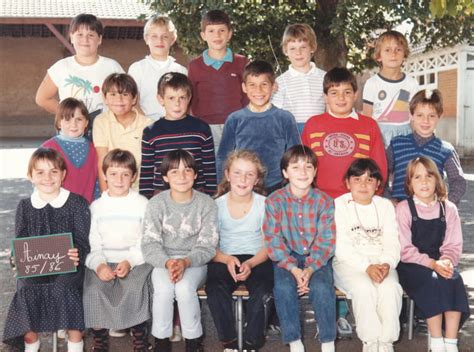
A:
(346, 30)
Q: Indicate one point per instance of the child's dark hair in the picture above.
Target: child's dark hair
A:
(66, 110)
(175, 81)
(298, 152)
(432, 169)
(337, 76)
(88, 20)
(224, 186)
(215, 17)
(124, 83)
(362, 165)
(48, 154)
(257, 68)
(174, 157)
(427, 97)
(120, 158)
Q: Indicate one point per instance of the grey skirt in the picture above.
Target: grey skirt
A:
(119, 303)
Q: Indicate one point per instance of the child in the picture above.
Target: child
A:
(367, 253)
(50, 303)
(431, 245)
(180, 238)
(260, 127)
(341, 135)
(217, 74)
(241, 257)
(426, 109)
(160, 34)
(72, 121)
(300, 89)
(387, 94)
(176, 130)
(117, 288)
(122, 126)
(81, 75)
(300, 237)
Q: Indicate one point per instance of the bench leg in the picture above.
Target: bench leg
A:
(411, 318)
(55, 341)
(239, 322)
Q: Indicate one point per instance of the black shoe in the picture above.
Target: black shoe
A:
(140, 338)
(194, 345)
(100, 342)
(162, 345)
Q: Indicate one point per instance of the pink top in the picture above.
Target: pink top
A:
(452, 244)
(78, 180)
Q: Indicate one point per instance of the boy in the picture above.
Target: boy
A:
(260, 126)
(301, 249)
(300, 89)
(341, 135)
(122, 125)
(387, 94)
(160, 34)
(426, 109)
(180, 239)
(176, 130)
(217, 75)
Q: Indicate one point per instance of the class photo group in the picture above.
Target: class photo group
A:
(174, 179)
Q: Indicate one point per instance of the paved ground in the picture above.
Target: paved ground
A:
(13, 186)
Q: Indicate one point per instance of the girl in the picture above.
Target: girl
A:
(117, 287)
(180, 238)
(367, 253)
(431, 245)
(72, 120)
(49, 303)
(241, 257)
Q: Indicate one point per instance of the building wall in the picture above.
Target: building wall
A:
(447, 84)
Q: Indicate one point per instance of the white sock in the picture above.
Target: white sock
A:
(327, 347)
(451, 345)
(32, 347)
(437, 344)
(75, 346)
(296, 346)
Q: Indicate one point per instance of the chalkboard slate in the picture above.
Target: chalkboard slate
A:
(43, 255)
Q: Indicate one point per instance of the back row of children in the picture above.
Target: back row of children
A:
(336, 137)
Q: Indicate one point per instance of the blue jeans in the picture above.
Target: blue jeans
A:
(321, 297)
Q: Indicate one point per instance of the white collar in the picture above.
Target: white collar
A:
(57, 202)
(353, 115)
(423, 204)
(296, 73)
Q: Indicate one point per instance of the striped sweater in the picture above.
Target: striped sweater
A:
(163, 136)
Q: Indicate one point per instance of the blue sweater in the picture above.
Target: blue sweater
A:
(269, 134)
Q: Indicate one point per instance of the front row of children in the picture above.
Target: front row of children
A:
(175, 234)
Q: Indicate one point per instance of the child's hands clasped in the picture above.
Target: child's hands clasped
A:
(176, 268)
(302, 277)
(105, 272)
(122, 269)
(443, 267)
(73, 254)
(378, 272)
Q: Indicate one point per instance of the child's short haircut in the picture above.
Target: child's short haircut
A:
(123, 82)
(66, 110)
(432, 169)
(257, 68)
(299, 31)
(48, 154)
(215, 17)
(397, 36)
(87, 20)
(175, 81)
(427, 97)
(173, 158)
(120, 158)
(224, 186)
(160, 20)
(337, 76)
(296, 153)
(362, 165)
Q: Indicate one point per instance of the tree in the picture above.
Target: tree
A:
(346, 30)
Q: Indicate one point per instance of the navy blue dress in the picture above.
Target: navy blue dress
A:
(432, 293)
(50, 303)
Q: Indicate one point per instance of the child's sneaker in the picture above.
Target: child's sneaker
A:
(117, 333)
(371, 346)
(344, 329)
(177, 335)
(62, 334)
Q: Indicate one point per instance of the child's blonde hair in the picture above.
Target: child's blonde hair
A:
(427, 97)
(299, 31)
(393, 35)
(224, 186)
(432, 169)
(160, 20)
(47, 154)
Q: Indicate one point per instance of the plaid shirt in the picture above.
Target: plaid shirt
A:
(302, 225)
